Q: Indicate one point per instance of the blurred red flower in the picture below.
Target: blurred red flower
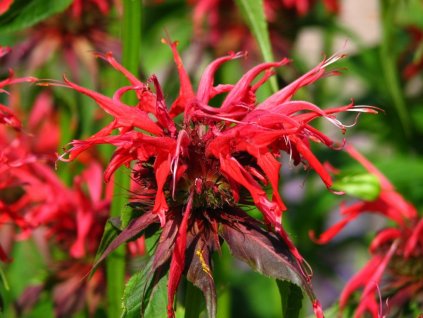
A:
(220, 25)
(9, 159)
(395, 268)
(5, 5)
(74, 34)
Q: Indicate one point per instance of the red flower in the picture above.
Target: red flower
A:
(226, 31)
(303, 6)
(8, 158)
(396, 252)
(74, 34)
(411, 58)
(5, 5)
(196, 177)
(6, 115)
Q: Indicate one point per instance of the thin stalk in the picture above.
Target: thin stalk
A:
(131, 42)
(389, 65)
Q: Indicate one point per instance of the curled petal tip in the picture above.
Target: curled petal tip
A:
(366, 109)
(317, 308)
(169, 42)
(317, 240)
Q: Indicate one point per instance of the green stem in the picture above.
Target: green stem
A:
(253, 12)
(389, 65)
(131, 41)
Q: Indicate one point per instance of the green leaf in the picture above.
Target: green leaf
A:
(3, 280)
(253, 13)
(4, 285)
(145, 295)
(291, 299)
(157, 304)
(25, 13)
(133, 293)
(364, 186)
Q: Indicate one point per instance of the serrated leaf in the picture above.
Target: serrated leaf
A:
(364, 186)
(134, 290)
(25, 13)
(253, 13)
(265, 252)
(145, 294)
(133, 229)
(291, 299)
(157, 304)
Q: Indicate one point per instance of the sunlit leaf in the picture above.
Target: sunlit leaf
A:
(253, 12)
(145, 295)
(25, 13)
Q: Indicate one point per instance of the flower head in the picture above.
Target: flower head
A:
(8, 157)
(396, 251)
(74, 33)
(199, 168)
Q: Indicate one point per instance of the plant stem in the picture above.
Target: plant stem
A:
(388, 9)
(131, 42)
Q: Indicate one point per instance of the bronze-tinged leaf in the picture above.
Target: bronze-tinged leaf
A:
(265, 252)
(166, 244)
(200, 273)
(133, 229)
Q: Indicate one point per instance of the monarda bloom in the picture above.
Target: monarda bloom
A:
(70, 36)
(9, 158)
(394, 274)
(200, 169)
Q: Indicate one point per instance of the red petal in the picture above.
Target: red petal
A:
(178, 258)
(205, 87)
(3, 256)
(4, 6)
(242, 87)
(126, 116)
(162, 171)
(308, 155)
(186, 93)
(329, 234)
(271, 168)
(288, 91)
(386, 236)
(415, 238)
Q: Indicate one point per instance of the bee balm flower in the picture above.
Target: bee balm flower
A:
(198, 177)
(396, 252)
